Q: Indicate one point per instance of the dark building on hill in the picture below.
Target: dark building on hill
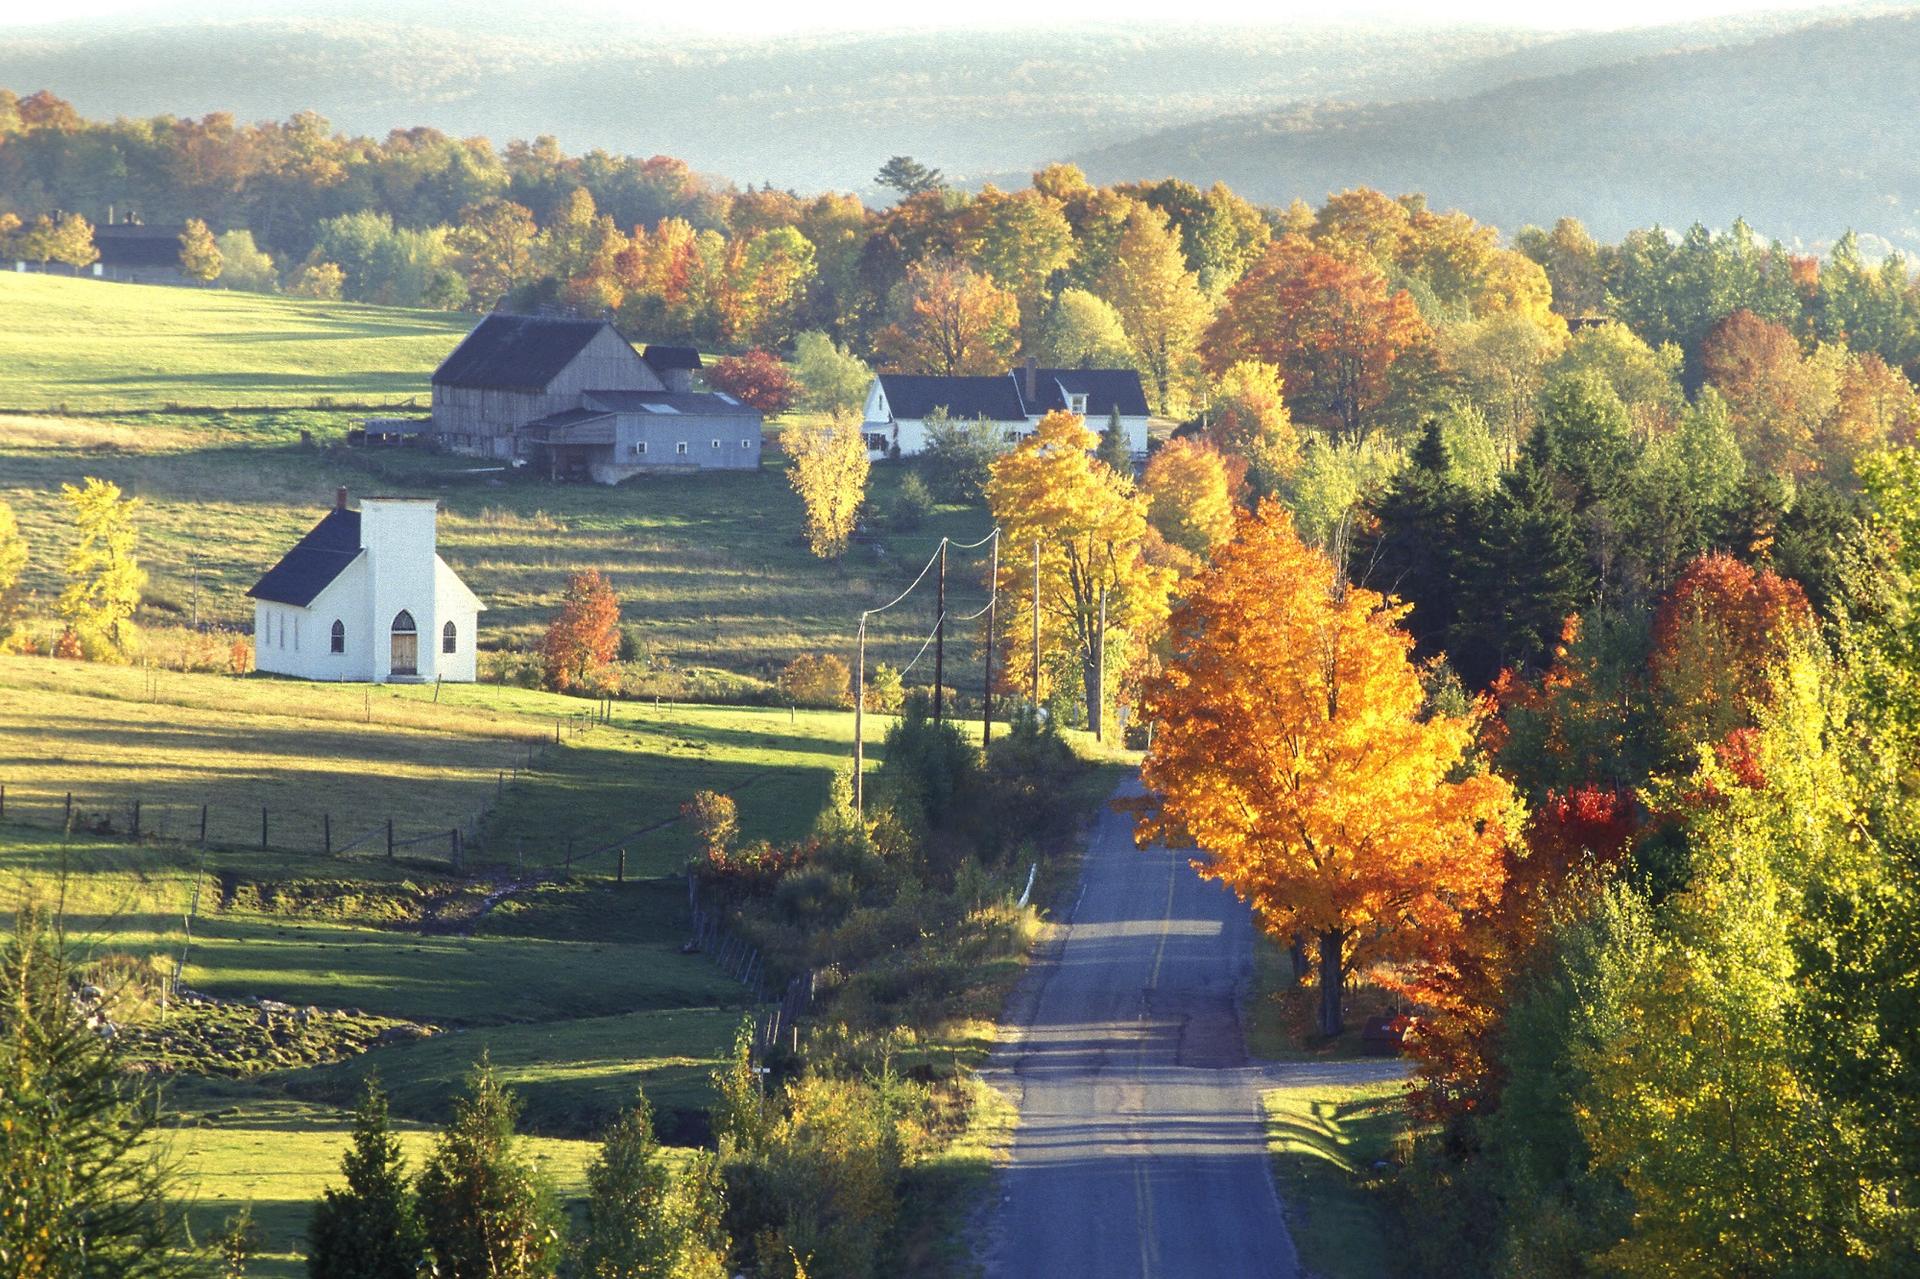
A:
(573, 398)
(138, 254)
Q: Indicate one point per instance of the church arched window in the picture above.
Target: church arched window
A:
(339, 640)
(449, 638)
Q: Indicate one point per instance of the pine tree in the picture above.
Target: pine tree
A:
(1115, 449)
(488, 1214)
(642, 1222)
(1524, 574)
(371, 1228)
(1413, 549)
(83, 1191)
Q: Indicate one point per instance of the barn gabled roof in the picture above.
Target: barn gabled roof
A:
(1105, 389)
(912, 395)
(314, 561)
(698, 403)
(517, 352)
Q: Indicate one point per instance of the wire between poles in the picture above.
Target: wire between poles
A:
(923, 647)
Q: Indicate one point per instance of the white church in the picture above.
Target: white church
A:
(366, 597)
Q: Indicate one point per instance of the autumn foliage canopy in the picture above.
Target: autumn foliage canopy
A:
(1292, 746)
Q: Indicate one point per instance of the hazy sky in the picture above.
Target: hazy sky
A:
(766, 15)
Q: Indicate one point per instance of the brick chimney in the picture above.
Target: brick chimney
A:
(1033, 380)
(340, 498)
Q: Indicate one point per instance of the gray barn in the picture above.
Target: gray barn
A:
(574, 398)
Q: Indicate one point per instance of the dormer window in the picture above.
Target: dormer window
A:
(1077, 404)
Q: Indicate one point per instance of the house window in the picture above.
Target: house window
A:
(448, 639)
(1078, 404)
(339, 641)
(877, 442)
(681, 447)
(640, 449)
(716, 444)
(746, 444)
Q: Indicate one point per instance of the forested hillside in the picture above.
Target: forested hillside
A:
(1797, 132)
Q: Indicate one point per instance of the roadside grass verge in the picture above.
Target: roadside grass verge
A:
(1327, 1140)
(90, 344)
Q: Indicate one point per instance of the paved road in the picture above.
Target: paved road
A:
(1140, 1149)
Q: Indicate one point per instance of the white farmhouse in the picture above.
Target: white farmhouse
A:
(366, 597)
(898, 404)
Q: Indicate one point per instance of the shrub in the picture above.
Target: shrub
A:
(1029, 768)
(715, 821)
(958, 454)
(817, 679)
(911, 505)
(757, 379)
(322, 280)
(929, 771)
(885, 692)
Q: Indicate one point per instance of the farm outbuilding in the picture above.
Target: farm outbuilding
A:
(574, 399)
(365, 596)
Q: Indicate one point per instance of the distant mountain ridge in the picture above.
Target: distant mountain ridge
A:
(811, 111)
(1804, 133)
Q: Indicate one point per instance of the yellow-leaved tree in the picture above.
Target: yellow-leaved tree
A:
(103, 578)
(1293, 746)
(1089, 524)
(1191, 489)
(830, 474)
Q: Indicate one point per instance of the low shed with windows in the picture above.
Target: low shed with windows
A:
(366, 596)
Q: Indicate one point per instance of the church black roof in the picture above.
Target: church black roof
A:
(314, 561)
(516, 352)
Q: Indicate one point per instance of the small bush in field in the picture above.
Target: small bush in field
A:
(884, 692)
(817, 679)
(715, 821)
(911, 505)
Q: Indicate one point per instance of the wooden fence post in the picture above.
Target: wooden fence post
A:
(3, 799)
(620, 875)
(203, 825)
(453, 842)
(389, 839)
(326, 833)
(136, 819)
(69, 823)
(263, 826)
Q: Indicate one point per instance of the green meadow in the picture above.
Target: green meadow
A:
(87, 344)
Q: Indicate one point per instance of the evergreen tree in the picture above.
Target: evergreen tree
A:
(1413, 550)
(1524, 573)
(371, 1228)
(908, 176)
(488, 1214)
(641, 1221)
(1115, 450)
(83, 1192)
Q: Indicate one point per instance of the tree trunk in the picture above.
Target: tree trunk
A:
(1332, 971)
(1297, 958)
(1090, 680)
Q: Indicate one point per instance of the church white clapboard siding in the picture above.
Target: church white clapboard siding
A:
(365, 596)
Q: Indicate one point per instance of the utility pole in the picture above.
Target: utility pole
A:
(986, 680)
(859, 721)
(1036, 623)
(940, 635)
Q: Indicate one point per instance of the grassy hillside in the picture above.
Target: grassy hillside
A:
(577, 988)
(1800, 133)
(88, 344)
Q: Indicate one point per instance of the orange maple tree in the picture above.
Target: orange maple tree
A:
(1718, 636)
(585, 637)
(1333, 326)
(1291, 745)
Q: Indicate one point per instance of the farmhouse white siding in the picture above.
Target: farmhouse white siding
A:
(360, 599)
(898, 406)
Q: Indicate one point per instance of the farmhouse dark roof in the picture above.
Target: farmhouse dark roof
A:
(914, 396)
(666, 403)
(672, 357)
(516, 352)
(1105, 389)
(314, 561)
(127, 244)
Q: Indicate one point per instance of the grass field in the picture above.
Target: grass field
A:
(89, 344)
(1326, 1139)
